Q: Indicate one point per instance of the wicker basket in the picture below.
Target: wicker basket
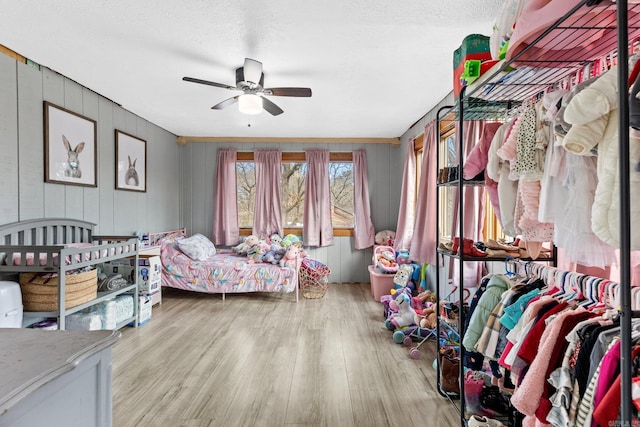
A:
(313, 278)
(40, 291)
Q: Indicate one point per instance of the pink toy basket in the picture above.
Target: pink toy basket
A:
(384, 259)
(313, 278)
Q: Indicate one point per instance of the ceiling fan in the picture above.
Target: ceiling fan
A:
(250, 80)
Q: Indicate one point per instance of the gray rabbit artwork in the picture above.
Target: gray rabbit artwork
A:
(131, 176)
(73, 162)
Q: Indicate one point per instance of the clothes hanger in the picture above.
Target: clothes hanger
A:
(560, 279)
(592, 286)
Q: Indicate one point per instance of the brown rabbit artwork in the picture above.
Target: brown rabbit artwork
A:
(73, 162)
(131, 176)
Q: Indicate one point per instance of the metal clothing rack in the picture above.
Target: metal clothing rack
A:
(478, 103)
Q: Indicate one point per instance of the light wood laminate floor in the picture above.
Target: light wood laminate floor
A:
(263, 360)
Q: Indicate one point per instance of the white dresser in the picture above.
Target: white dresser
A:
(55, 378)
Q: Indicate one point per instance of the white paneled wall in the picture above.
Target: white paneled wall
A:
(25, 195)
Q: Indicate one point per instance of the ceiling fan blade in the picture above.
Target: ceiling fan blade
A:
(225, 103)
(207, 82)
(288, 91)
(271, 108)
(252, 70)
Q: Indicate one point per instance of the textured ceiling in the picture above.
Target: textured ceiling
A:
(375, 66)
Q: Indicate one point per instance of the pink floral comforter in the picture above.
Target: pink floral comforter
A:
(226, 272)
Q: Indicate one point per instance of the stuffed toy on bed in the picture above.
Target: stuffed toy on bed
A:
(291, 256)
(244, 247)
(258, 251)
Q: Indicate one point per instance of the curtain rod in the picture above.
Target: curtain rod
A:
(288, 140)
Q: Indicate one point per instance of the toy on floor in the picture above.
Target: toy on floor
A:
(404, 314)
(402, 278)
(407, 334)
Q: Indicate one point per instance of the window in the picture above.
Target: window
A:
(448, 157)
(294, 169)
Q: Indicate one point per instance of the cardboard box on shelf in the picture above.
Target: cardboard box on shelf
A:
(149, 272)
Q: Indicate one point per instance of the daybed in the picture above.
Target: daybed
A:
(223, 272)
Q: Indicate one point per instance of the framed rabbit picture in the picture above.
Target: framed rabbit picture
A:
(70, 155)
(131, 162)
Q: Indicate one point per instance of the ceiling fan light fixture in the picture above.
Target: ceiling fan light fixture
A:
(250, 104)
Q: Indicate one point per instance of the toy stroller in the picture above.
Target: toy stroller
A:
(407, 335)
(414, 352)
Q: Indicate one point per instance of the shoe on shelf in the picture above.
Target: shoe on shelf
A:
(445, 246)
(456, 245)
(499, 253)
(493, 399)
(493, 244)
(470, 249)
(479, 421)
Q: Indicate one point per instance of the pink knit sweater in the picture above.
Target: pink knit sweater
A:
(527, 396)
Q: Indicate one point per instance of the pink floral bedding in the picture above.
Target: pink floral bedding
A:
(225, 272)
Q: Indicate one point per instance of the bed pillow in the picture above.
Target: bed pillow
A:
(197, 247)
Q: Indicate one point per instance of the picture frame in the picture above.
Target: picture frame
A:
(131, 162)
(70, 147)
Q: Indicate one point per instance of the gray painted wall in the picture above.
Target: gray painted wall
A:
(25, 195)
(180, 179)
(384, 169)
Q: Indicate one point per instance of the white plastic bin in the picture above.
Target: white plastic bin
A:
(10, 305)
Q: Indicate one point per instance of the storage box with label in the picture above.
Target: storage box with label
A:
(149, 272)
(144, 309)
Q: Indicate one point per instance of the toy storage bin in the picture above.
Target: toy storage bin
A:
(381, 283)
(10, 305)
(312, 278)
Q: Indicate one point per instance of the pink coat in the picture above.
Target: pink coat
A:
(477, 161)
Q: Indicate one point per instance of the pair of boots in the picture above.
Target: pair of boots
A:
(482, 399)
(468, 248)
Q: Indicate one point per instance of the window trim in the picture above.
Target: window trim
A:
(247, 156)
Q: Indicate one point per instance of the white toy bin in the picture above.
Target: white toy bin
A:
(10, 305)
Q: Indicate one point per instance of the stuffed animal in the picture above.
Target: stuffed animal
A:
(274, 254)
(404, 314)
(257, 251)
(290, 257)
(249, 242)
(275, 239)
(385, 237)
(289, 239)
(427, 319)
(427, 296)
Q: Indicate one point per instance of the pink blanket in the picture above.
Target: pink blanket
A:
(226, 272)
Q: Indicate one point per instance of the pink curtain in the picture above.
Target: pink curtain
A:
(406, 213)
(473, 205)
(423, 241)
(363, 229)
(267, 214)
(225, 216)
(317, 228)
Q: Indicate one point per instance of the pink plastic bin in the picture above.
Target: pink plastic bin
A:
(381, 283)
